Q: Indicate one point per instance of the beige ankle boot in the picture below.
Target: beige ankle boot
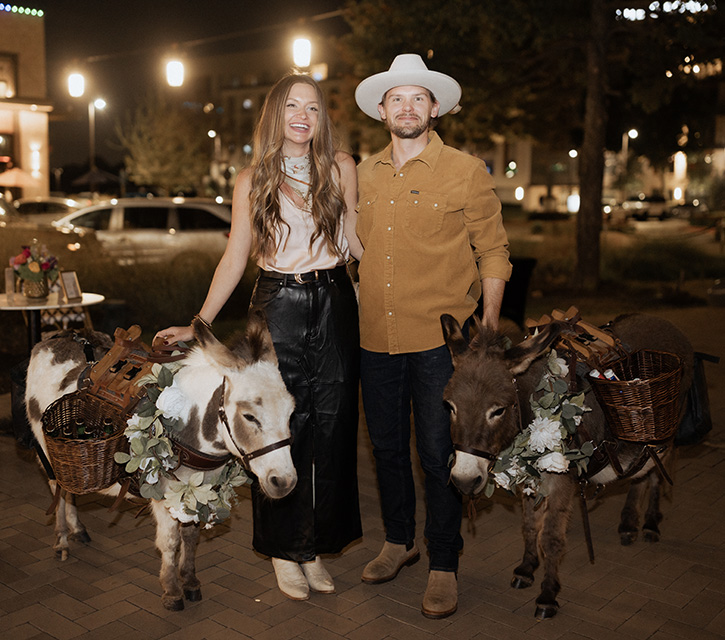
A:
(290, 579)
(389, 562)
(317, 576)
(441, 595)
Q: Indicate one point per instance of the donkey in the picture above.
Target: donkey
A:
(243, 383)
(488, 397)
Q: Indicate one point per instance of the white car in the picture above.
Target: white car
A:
(177, 231)
(47, 209)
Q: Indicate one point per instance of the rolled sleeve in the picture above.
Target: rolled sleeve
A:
(482, 217)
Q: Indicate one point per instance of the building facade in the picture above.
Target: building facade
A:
(24, 105)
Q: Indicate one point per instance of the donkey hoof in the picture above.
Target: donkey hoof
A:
(651, 535)
(627, 537)
(521, 582)
(173, 604)
(81, 536)
(62, 554)
(546, 611)
(192, 595)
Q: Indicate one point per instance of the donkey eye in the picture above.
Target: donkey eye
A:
(495, 413)
(250, 418)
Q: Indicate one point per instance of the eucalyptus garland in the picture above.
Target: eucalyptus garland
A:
(151, 455)
(544, 446)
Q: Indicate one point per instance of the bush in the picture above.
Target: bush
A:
(660, 262)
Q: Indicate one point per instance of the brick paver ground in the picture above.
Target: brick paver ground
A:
(109, 588)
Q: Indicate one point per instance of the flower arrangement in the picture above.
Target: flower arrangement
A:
(151, 455)
(34, 263)
(544, 445)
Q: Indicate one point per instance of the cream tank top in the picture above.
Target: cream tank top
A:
(294, 254)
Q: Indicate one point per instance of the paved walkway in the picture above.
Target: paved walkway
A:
(109, 589)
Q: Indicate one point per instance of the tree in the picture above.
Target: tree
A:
(548, 70)
(165, 146)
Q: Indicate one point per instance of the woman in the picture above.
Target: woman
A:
(294, 211)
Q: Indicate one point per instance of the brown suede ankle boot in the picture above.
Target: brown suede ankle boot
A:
(441, 595)
(389, 562)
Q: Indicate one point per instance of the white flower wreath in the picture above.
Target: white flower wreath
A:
(151, 455)
(543, 445)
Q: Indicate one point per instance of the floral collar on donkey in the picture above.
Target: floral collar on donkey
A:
(151, 455)
(544, 444)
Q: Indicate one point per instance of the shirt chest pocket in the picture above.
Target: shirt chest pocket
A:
(424, 213)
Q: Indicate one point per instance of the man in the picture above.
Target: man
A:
(433, 236)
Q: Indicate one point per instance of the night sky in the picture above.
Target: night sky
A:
(136, 34)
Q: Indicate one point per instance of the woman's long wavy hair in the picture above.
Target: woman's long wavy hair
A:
(267, 174)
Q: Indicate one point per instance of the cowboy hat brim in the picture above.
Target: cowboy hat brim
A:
(370, 92)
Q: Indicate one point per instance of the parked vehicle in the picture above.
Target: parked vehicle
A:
(68, 245)
(173, 230)
(646, 207)
(690, 209)
(47, 209)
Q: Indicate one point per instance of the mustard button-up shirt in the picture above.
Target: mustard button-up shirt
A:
(431, 232)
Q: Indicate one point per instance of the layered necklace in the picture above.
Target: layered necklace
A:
(297, 176)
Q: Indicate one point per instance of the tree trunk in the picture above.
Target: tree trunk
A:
(591, 165)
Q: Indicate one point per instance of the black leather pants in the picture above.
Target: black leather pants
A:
(314, 327)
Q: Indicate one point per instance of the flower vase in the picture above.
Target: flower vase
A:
(33, 289)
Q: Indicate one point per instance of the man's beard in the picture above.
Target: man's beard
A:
(409, 131)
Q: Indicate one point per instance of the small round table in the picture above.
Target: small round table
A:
(34, 306)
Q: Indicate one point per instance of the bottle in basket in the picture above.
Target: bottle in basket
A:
(67, 430)
(51, 429)
(610, 375)
(80, 429)
(107, 427)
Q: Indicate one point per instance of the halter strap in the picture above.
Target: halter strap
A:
(475, 452)
(246, 457)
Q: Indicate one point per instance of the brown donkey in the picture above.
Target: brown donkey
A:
(488, 397)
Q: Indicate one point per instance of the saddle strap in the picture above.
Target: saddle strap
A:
(585, 519)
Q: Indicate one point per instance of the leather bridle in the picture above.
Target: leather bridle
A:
(246, 457)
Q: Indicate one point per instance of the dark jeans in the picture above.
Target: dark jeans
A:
(389, 382)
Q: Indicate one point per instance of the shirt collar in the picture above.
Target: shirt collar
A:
(428, 156)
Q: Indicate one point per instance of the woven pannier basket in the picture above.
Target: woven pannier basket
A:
(643, 406)
(84, 465)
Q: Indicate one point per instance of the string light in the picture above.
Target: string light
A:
(13, 8)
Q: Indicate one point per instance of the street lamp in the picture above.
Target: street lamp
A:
(100, 104)
(302, 52)
(175, 73)
(77, 88)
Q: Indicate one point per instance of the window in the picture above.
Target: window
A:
(193, 219)
(98, 219)
(145, 217)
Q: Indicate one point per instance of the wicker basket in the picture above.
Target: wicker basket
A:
(84, 466)
(643, 406)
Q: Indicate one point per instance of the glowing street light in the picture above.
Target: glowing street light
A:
(302, 52)
(175, 73)
(76, 85)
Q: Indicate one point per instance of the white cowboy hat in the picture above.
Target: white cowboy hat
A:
(407, 69)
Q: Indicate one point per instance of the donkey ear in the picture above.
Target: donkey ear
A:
(259, 338)
(212, 347)
(453, 336)
(520, 357)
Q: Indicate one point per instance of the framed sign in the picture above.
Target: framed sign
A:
(71, 289)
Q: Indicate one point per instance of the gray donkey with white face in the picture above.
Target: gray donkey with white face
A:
(488, 396)
(244, 381)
